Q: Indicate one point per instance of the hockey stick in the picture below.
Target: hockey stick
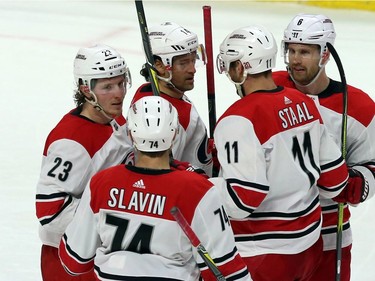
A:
(147, 48)
(343, 150)
(210, 75)
(209, 68)
(180, 219)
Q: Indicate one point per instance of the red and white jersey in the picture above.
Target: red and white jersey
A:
(191, 142)
(74, 150)
(274, 149)
(124, 229)
(360, 144)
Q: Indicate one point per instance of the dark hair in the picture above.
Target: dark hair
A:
(144, 71)
(78, 96)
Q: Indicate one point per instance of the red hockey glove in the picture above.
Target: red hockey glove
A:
(215, 160)
(186, 166)
(356, 191)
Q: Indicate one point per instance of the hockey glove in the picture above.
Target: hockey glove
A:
(356, 191)
(186, 166)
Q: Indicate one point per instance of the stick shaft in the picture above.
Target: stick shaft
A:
(209, 68)
(180, 219)
(340, 211)
(147, 47)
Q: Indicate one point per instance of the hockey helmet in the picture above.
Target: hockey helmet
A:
(99, 61)
(152, 123)
(170, 39)
(309, 29)
(253, 45)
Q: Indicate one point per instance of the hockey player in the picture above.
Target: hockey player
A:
(306, 55)
(276, 162)
(123, 226)
(177, 52)
(88, 139)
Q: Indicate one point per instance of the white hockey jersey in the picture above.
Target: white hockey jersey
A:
(123, 227)
(74, 150)
(274, 149)
(191, 142)
(360, 145)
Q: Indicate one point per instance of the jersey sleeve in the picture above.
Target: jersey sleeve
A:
(196, 144)
(243, 165)
(77, 254)
(333, 175)
(211, 224)
(60, 184)
(361, 151)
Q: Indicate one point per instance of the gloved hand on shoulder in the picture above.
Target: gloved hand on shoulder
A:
(186, 166)
(356, 191)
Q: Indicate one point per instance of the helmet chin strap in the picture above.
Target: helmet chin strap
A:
(169, 82)
(97, 106)
(321, 67)
(238, 85)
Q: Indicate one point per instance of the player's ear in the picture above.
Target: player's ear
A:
(161, 68)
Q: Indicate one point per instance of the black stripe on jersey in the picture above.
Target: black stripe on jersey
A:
(237, 200)
(222, 259)
(312, 206)
(332, 207)
(370, 166)
(249, 184)
(332, 164)
(237, 276)
(331, 189)
(74, 254)
(294, 235)
(66, 204)
(332, 230)
(130, 278)
(51, 196)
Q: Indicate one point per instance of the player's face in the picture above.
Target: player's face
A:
(111, 93)
(303, 62)
(183, 71)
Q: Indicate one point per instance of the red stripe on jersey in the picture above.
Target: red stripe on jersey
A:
(75, 266)
(250, 197)
(329, 179)
(232, 268)
(330, 217)
(290, 224)
(48, 208)
(183, 107)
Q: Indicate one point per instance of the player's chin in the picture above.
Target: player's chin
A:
(189, 85)
(299, 75)
(116, 111)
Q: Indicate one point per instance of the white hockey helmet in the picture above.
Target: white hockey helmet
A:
(170, 39)
(253, 45)
(309, 29)
(152, 123)
(99, 61)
